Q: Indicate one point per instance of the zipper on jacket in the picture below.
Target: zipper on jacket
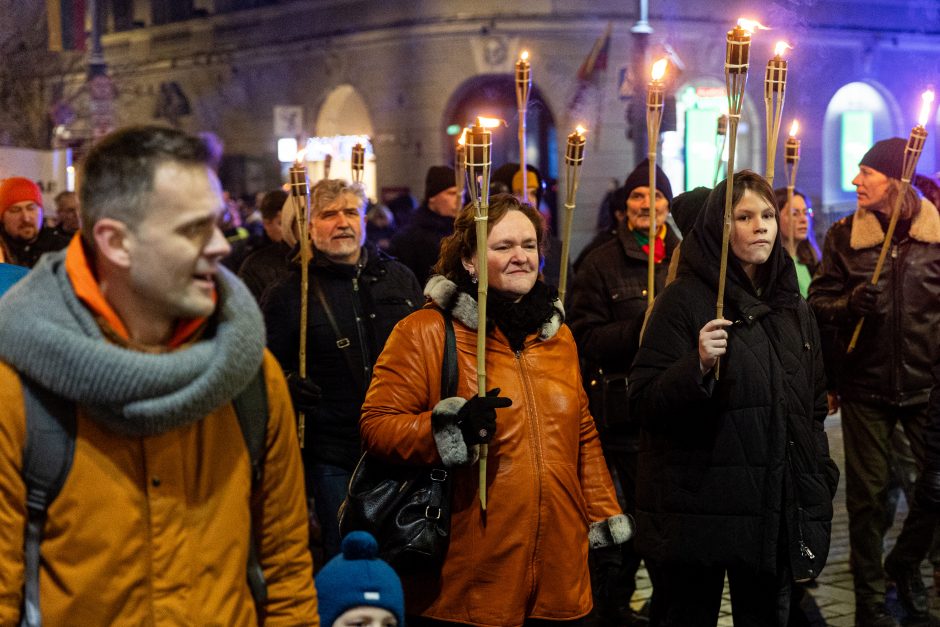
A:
(360, 330)
(805, 551)
(534, 429)
(896, 322)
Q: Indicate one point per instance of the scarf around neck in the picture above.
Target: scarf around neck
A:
(50, 337)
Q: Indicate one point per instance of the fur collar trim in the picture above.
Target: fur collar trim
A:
(444, 293)
(867, 231)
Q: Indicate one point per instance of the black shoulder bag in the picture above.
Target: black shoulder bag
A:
(406, 508)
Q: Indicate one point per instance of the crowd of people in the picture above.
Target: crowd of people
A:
(181, 421)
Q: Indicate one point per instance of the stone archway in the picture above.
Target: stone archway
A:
(343, 112)
(494, 95)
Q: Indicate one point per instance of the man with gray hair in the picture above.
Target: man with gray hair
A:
(356, 295)
(134, 364)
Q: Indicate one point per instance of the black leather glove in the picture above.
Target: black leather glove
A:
(927, 490)
(304, 393)
(864, 298)
(477, 418)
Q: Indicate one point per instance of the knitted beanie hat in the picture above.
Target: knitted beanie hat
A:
(17, 189)
(438, 179)
(887, 157)
(358, 578)
(640, 177)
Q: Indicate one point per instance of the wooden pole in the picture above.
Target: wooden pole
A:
(574, 157)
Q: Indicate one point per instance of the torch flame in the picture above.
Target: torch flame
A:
(751, 25)
(488, 122)
(524, 56)
(927, 98)
(782, 47)
(299, 157)
(580, 130)
(659, 69)
(794, 128)
(462, 140)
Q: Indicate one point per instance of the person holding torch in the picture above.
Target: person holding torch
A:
(522, 560)
(884, 382)
(733, 474)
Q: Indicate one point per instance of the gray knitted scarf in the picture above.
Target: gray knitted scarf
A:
(49, 336)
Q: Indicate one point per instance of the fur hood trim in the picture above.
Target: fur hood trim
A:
(444, 293)
(867, 231)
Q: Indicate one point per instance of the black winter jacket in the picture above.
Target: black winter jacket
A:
(265, 267)
(419, 243)
(897, 347)
(608, 305)
(734, 471)
(367, 301)
(27, 254)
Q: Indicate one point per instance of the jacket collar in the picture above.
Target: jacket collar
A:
(867, 231)
(445, 294)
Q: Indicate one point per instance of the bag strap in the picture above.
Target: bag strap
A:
(251, 409)
(342, 342)
(449, 362)
(47, 459)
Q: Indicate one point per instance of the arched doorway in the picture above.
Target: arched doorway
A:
(343, 112)
(342, 122)
(494, 95)
(857, 116)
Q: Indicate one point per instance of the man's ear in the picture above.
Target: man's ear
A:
(113, 241)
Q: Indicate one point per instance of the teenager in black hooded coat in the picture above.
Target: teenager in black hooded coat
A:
(734, 472)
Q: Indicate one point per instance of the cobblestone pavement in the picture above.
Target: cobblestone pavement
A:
(833, 595)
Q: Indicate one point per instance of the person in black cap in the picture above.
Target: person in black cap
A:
(608, 303)
(418, 244)
(637, 183)
(886, 379)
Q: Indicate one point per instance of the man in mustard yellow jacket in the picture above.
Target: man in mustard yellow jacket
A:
(145, 341)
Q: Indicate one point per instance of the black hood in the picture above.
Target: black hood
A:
(701, 254)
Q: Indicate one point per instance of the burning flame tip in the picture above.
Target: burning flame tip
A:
(488, 122)
(782, 47)
(524, 56)
(299, 157)
(751, 25)
(659, 69)
(927, 98)
(580, 130)
(794, 128)
(462, 140)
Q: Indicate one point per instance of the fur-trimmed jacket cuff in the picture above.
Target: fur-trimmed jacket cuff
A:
(615, 530)
(447, 435)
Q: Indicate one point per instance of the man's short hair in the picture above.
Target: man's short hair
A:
(118, 173)
(272, 203)
(61, 195)
(327, 191)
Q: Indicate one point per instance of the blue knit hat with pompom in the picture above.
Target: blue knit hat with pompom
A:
(357, 577)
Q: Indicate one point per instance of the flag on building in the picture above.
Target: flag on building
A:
(66, 24)
(586, 103)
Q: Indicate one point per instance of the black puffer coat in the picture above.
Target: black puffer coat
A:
(367, 301)
(419, 243)
(898, 346)
(732, 471)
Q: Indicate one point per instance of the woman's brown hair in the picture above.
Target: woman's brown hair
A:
(462, 244)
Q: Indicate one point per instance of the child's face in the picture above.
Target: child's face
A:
(363, 616)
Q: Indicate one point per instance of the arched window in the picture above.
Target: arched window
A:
(691, 152)
(857, 116)
(494, 95)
